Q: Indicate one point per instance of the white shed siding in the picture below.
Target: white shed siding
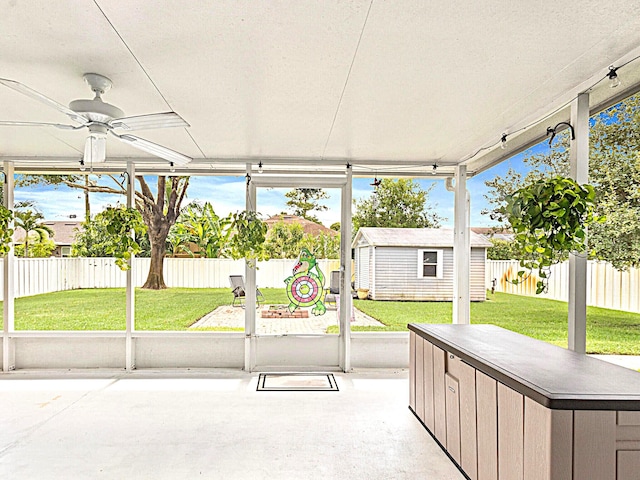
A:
(477, 283)
(396, 279)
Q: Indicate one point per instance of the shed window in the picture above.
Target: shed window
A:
(429, 263)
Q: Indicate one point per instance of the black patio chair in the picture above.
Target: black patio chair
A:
(238, 290)
(331, 293)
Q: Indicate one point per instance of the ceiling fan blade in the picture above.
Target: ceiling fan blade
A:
(95, 149)
(29, 92)
(154, 120)
(154, 149)
(39, 124)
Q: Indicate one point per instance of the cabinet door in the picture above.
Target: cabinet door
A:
(594, 445)
(440, 420)
(468, 443)
(510, 434)
(628, 465)
(466, 376)
(548, 442)
(419, 390)
(453, 417)
(428, 386)
(412, 371)
(487, 407)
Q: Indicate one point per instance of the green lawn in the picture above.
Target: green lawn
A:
(608, 331)
(104, 309)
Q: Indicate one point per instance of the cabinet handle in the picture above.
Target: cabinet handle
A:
(452, 389)
(451, 357)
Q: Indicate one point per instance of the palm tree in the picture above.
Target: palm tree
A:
(31, 222)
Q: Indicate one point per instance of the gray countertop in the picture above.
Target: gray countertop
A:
(552, 376)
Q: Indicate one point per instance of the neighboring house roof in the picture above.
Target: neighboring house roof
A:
(493, 232)
(64, 232)
(412, 237)
(308, 226)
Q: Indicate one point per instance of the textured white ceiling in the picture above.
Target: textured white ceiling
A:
(377, 83)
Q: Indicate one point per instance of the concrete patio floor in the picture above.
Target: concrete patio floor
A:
(210, 424)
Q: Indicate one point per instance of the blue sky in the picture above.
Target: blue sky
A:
(227, 195)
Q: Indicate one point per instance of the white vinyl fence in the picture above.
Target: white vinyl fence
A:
(34, 276)
(606, 286)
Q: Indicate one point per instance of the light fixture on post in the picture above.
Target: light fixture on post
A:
(503, 141)
(260, 169)
(434, 170)
(552, 131)
(83, 167)
(614, 80)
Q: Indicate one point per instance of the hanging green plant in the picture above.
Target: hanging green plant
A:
(549, 219)
(121, 222)
(248, 237)
(6, 233)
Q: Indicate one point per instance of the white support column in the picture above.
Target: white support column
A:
(346, 301)
(461, 249)
(579, 171)
(8, 318)
(250, 293)
(130, 357)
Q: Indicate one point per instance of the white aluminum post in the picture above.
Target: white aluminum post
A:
(579, 171)
(346, 301)
(130, 357)
(461, 250)
(8, 355)
(250, 289)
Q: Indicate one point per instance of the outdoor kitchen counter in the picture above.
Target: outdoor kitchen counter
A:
(504, 405)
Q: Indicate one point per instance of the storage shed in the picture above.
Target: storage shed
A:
(414, 263)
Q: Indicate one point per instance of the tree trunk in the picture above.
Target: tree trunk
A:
(87, 206)
(159, 215)
(155, 278)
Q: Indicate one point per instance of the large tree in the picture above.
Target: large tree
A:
(159, 211)
(396, 203)
(304, 200)
(93, 240)
(614, 171)
(285, 240)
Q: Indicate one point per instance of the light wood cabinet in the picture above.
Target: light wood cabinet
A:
(487, 426)
(573, 420)
(510, 434)
(439, 398)
(452, 405)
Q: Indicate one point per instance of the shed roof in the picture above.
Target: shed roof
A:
(413, 237)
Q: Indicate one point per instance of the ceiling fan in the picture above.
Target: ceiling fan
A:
(102, 118)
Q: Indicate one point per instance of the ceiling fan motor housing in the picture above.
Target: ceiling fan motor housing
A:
(96, 110)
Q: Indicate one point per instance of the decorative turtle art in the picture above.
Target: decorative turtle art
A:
(305, 288)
